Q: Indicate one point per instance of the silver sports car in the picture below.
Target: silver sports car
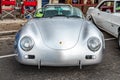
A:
(61, 37)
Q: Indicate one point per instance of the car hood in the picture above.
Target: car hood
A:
(60, 33)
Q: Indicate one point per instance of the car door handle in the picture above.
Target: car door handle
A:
(112, 25)
(98, 13)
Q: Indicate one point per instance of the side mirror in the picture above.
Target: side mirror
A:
(91, 7)
(108, 11)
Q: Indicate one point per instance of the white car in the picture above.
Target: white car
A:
(106, 16)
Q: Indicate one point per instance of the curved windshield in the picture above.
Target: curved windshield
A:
(59, 10)
(62, 10)
(76, 12)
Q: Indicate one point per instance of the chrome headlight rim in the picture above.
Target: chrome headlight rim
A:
(26, 43)
(94, 40)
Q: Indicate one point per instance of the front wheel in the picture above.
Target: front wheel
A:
(119, 40)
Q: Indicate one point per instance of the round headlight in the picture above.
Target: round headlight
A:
(94, 44)
(26, 43)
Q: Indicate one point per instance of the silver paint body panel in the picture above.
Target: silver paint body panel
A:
(59, 41)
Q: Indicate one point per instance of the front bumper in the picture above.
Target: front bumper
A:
(60, 58)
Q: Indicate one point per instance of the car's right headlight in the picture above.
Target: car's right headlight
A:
(26, 43)
(94, 44)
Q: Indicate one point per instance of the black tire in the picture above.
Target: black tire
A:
(119, 40)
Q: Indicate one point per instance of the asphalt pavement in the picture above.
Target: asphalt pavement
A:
(108, 69)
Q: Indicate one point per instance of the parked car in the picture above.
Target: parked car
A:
(106, 16)
(62, 37)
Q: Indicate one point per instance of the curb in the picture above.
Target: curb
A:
(2, 33)
(7, 21)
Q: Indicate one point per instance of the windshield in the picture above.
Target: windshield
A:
(62, 10)
(76, 12)
(117, 6)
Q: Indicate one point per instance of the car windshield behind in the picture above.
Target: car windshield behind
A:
(117, 6)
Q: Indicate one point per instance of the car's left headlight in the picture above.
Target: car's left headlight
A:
(26, 43)
(94, 44)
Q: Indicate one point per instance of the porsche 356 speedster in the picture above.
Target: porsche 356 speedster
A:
(61, 37)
